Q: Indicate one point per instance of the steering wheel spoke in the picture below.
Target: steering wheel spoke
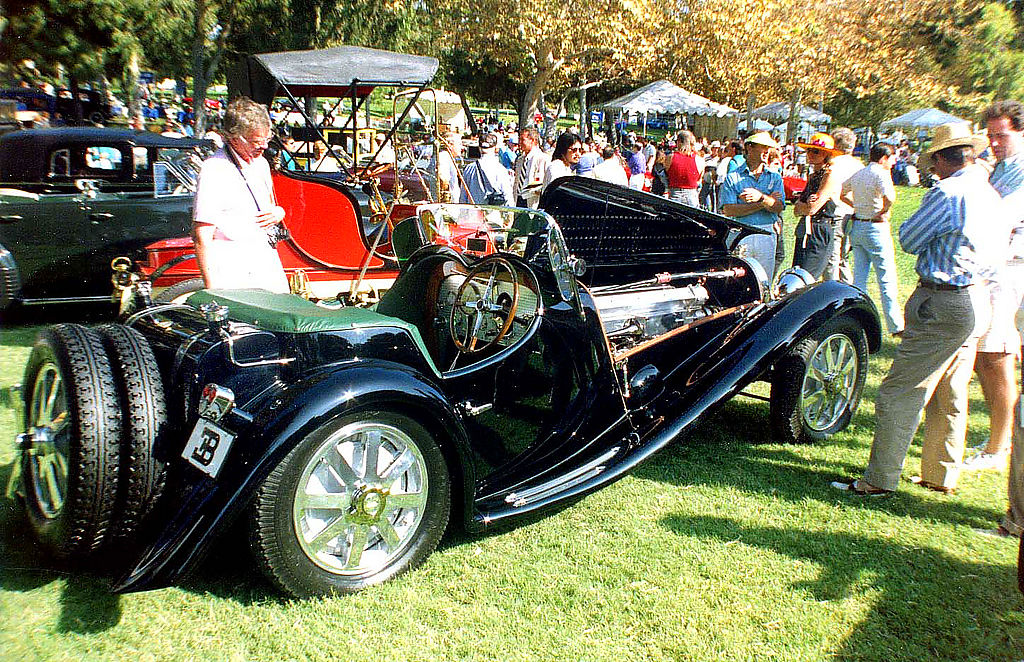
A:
(476, 306)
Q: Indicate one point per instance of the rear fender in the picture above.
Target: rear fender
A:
(203, 507)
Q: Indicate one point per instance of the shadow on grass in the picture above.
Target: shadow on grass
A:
(86, 603)
(914, 617)
(745, 456)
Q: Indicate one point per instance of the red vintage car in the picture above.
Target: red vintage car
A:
(339, 223)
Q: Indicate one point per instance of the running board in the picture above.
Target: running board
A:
(573, 478)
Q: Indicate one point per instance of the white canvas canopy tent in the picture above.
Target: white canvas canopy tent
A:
(779, 112)
(759, 125)
(663, 96)
(923, 118)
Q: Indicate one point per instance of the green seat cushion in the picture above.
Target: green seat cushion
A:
(289, 313)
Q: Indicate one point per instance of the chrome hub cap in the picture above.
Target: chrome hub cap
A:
(46, 442)
(360, 498)
(829, 383)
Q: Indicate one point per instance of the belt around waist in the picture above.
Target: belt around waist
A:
(869, 220)
(944, 287)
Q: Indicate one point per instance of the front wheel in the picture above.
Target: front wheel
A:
(816, 388)
(355, 503)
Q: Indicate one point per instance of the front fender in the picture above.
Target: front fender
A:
(200, 507)
(748, 351)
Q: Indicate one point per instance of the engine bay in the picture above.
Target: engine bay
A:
(637, 312)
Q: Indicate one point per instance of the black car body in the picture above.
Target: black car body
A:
(490, 387)
(72, 199)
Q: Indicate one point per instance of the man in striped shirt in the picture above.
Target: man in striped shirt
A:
(957, 246)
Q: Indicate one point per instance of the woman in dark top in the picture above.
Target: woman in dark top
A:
(815, 209)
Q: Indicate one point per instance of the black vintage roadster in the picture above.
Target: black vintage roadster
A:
(544, 361)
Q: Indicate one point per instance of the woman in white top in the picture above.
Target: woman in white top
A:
(568, 150)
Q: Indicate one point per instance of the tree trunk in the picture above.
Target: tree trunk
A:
(547, 65)
(199, 82)
(794, 114)
(131, 87)
(584, 113)
(751, 103)
(75, 100)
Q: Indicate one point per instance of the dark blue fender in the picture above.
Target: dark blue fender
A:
(286, 415)
(719, 366)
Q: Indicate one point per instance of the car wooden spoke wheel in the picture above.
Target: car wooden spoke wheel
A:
(354, 504)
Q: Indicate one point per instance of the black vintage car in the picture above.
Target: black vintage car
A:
(72, 199)
(541, 363)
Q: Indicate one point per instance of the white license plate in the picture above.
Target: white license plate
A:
(207, 447)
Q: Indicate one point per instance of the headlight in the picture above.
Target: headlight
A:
(791, 280)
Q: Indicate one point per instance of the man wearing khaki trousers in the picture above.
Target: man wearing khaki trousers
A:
(956, 245)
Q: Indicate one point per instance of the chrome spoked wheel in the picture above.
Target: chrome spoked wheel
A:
(830, 382)
(48, 420)
(360, 498)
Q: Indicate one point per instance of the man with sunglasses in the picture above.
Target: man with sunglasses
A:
(236, 215)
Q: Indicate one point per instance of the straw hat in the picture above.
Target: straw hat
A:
(821, 141)
(956, 134)
(761, 138)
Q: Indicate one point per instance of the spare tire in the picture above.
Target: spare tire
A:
(70, 449)
(143, 405)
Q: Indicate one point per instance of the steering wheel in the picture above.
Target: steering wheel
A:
(478, 307)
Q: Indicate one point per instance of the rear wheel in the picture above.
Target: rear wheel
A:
(144, 421)
(358, 501)
(179, 291)
(70, 447)
(816, 388)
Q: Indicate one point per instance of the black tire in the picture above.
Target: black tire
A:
(178, 290)
(144, 422)
(809, 401)
(71, 451)
(356, 515)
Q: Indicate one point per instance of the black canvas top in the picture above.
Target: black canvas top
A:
(329, 72)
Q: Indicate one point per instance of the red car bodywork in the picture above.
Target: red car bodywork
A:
(327, 241)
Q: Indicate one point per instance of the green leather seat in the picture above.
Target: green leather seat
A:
(288, 313)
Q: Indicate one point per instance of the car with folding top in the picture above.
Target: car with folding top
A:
(570, 344)
(339, 211)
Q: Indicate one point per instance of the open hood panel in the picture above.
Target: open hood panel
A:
(609, 225)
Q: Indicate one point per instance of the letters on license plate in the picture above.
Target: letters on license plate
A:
(207, 447)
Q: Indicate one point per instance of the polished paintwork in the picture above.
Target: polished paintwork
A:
(562, 420)
(62, 240)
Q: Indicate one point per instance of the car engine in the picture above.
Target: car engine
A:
(631, 316)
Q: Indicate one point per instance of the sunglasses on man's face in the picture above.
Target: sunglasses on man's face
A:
(575, 149)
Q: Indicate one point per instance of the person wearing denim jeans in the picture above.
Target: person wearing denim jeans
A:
(871, 194)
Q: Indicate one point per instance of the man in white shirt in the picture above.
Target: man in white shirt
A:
(235, 210)
(843, 167)
(530, 167)
(610, 169)
(447, 171)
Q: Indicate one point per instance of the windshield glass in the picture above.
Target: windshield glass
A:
(525, 233)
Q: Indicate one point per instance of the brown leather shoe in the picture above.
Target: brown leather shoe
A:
(942, 489)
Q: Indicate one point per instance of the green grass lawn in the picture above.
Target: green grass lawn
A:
(728, 546)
